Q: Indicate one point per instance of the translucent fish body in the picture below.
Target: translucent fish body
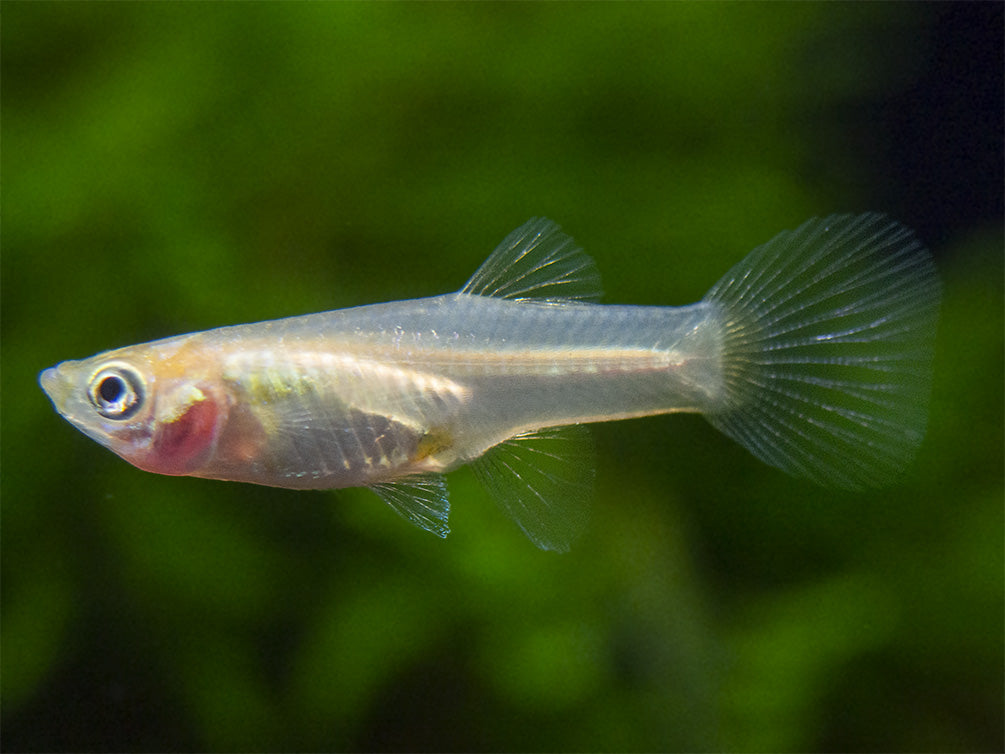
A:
(814, 352)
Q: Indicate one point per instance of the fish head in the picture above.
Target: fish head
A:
(136, 403)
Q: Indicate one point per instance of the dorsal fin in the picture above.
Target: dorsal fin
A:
(537, 261)
(422, 499)
(544, 481)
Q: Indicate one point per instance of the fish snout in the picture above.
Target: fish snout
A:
(56, 384)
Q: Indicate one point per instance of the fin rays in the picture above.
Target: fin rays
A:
(827, 349)
(421, 499)
(537, 261)
(544, 481)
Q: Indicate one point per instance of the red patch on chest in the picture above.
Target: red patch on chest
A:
(179, 445)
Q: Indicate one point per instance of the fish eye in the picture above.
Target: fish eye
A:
(116, 391)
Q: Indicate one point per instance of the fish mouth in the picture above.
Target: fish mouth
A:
(58, 385)
(51, 384)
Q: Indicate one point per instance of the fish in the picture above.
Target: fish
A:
(814, 352)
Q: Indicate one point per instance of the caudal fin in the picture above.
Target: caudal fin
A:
(827, 349)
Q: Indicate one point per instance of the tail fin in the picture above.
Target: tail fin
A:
(827, 349)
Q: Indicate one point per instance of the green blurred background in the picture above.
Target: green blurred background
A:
(174, 167)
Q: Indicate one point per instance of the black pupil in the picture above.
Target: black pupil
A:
(111, 389)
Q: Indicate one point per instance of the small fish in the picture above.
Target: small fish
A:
(814, 352)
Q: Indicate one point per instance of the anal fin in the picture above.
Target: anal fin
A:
(422, 499)
(544, 481)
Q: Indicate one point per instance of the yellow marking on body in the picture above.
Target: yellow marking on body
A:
(275, 383)
(192, 358)
(265, 376)
(182, 400)
(432, 443)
